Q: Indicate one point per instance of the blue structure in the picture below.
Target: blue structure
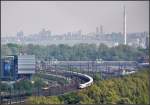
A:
(9, 68)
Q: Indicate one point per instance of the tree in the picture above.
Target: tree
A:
(71, 98)
(5, 50)
(84, 99)
(124, 101)
(97, 77)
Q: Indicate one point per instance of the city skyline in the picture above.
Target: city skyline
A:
(63, 16)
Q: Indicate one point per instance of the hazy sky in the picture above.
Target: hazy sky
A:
(69, 16)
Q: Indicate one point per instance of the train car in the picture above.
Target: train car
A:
(87, 77)
(86, 84)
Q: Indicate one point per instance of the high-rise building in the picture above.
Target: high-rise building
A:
(80, 32)
(20, 34)
(97, 30)
(20, 37)
(45, 34)
(124, 26)
(101, 29)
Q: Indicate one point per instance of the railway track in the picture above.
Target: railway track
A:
(72, 86)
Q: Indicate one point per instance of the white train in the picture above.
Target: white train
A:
(86, 84)
(81, 86)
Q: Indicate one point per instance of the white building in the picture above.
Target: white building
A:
(26, 65)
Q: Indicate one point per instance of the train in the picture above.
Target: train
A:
(86, 84)
(87, 77)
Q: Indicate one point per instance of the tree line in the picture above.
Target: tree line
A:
(76, 52)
